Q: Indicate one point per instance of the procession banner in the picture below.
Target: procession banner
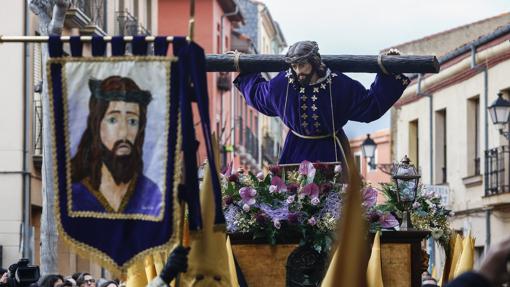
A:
(116, 139)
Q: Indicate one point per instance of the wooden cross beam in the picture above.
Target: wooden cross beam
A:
(276, 63)
(341, 63)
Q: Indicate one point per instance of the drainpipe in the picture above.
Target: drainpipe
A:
(486, 134)
(486, 140)
(26, 229)
(431, 247)
(232, 97)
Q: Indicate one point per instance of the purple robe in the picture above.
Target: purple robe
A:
(307, 110)
(146, 198)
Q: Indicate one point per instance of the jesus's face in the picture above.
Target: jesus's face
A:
(304, 72)
(119, 127)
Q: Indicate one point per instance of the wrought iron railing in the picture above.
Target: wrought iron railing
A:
(128, 25)
(94, 9)
(497, 167)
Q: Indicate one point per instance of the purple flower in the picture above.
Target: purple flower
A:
(228, 200)
(291, 199)
(292, 218)
(279, 213)
(311, 190)
(387, 220)
(416, 204)
(369, 197)
(279, 183)
(277, 224)
(306, 168)
(246, 207)
(315, 201)
(260, 176)
(248, 195)
(273, 188)
(374, 215)
(292, 188)
(312, 221)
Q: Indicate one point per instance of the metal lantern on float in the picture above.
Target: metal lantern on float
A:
(406, 178)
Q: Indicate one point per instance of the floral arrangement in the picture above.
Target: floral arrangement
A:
(307, 201)
(427, 212)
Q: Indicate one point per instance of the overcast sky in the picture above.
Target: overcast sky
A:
(368, 26)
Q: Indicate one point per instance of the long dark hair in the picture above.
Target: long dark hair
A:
(88, 159)
(50, 280)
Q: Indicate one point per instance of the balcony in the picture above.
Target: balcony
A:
(87, 15)
(128, 25)
(497, 176)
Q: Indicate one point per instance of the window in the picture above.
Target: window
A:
(413, 147)
(440, 147)
(473, 136)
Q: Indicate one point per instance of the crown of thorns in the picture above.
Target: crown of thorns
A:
(140, 97)
(302, 51)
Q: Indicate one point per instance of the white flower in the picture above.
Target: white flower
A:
(260, 176)
(291, 199)
(246, 207)
(338, 168)
(272, 188)
(315, 201)
(277, 224)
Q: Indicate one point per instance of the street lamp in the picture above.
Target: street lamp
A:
(406, 177)
(499, 111)
(368, 149)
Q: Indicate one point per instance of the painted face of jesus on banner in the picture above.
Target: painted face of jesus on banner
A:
(107, 169)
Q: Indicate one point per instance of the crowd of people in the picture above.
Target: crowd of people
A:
(177, 262)
(78, 279)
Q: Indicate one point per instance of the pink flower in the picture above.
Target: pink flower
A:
(279, 183)
(260, 176)
(228, 170)
(315, 201)
(312, 221)
(369, 197)
(306, 168)
(291, 199)
(311, 190)
(273, 188)
(248, 195)
(246, 207)
(275, 170)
